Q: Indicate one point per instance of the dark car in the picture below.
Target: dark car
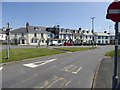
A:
(68, 44)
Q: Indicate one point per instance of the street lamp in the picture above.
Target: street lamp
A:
(93, 30)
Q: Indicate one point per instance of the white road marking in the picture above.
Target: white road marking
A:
(73, 69)
(40, 63)
(67, 83)
(77, 70)
(1, 68)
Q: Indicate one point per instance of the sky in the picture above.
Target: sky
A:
(72, 15)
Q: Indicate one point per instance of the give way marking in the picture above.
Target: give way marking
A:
(40, 63)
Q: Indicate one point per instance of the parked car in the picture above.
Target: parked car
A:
(56, 43)
(68, 44)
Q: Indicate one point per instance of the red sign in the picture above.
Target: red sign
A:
(114, 11)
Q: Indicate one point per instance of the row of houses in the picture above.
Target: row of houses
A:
(38, 35)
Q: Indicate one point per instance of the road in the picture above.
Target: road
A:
(68, 70)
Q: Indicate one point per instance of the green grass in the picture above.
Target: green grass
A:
(25, 53)
(73, 49)
(111, 53)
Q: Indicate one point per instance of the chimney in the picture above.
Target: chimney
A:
(105, 31)
(80, 29)
(87, 31)
(27, 24)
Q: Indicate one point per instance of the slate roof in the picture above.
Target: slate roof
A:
(2, 32)
(112, 34)
(19, 30)
(31, 29)
(87, 33)
(101, 34)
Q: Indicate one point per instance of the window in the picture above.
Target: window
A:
(86, 37)
(69, 35)
(90, 37)
(41, 35)
(64, 36)
(99, 37)
(22, 34)
(35, 40)
(23, 41)
(106, 37)
(102, 37)
(35, 35)
(32, 41)
(99, 42)
(106, 42)
(15, 34)
(50, 35)
(102, 41)
(42, 41)
(61, 30)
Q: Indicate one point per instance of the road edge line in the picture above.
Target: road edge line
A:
(95, 74)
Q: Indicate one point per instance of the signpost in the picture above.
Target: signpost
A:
(8, 40)
(113, 13)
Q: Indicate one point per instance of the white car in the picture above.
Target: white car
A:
(56, 43)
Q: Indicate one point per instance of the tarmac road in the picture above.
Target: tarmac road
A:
(68, 70)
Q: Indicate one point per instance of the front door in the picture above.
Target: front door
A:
(23, 41)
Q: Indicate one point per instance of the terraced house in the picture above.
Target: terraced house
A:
(30, 35)
(102, 38)
(39, 35)
(2, 36)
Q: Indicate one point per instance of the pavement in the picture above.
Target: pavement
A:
(67, 70)
(104, 74)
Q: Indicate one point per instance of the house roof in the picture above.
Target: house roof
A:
(2, 32)
(101, 34)
(31, 29)
(19, 30)
(87, 33)
(112, 34)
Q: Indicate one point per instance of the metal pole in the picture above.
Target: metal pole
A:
(8, 42)
(7, 48)
(93, 30)
(115, 77)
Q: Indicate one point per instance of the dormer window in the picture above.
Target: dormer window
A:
(66, 30)
(36, 28)
(73, 31)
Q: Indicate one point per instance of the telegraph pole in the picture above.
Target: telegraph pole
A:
(93, 31)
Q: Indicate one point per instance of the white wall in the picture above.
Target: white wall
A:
(2, 36)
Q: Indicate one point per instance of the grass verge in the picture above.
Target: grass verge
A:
(73, 49)
(111, 54)
(25, 53)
